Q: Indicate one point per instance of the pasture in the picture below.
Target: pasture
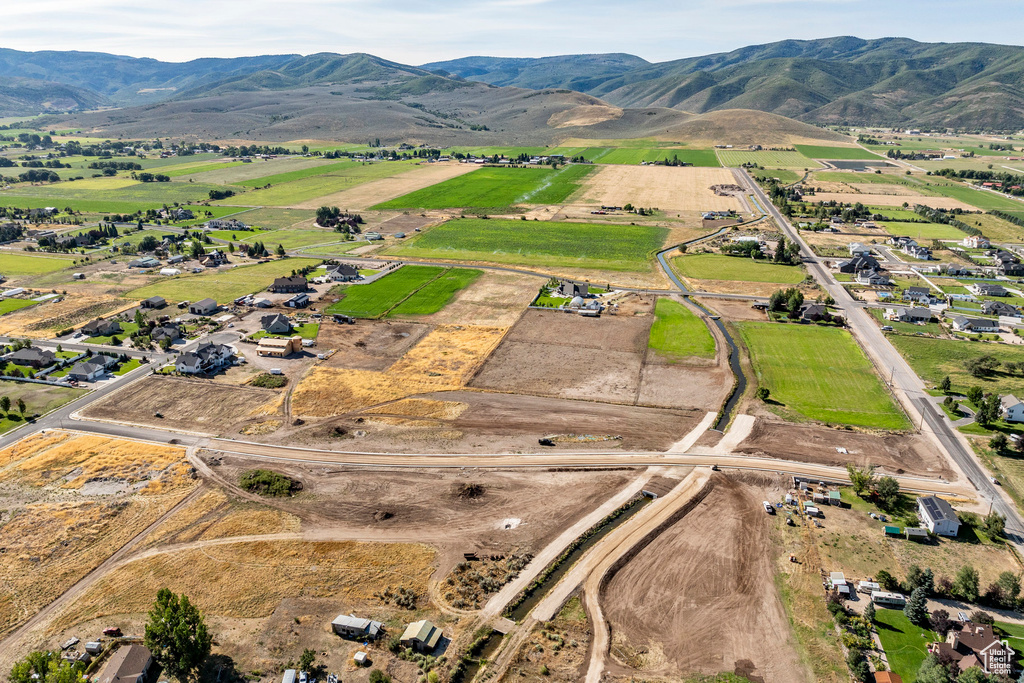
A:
(274, 219)
(377, 298)
(112, 191)
(538, 243)
(11, 305)
(696, 157)
(737, 268)
(782, 175)
(662, 187)
(19, 265)
(291, 239)
(923, 231)
(297, 191)
(933, 359)
(982, 199)
(821, 374)
(223, 286)
(766, 158)
(437, 293)
(284, 174)
(839, 153)
(239, 173)
(678, 332)
(199, 172)
(492, 188)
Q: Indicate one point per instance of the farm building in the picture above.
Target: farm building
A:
(145, 262)
(938, 516)
(355, 627)
(130, 664)
(33, 357)
(154, 302)
(170, 272)
(276, 347)
(276, 324)
(298, 301)
(837, 582)
(421, 636)
(203, 307)
(289, 285)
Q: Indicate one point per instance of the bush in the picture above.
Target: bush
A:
(267, 483)
(378, 676)
(268, 381)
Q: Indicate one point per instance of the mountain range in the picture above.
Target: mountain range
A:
(834, 81)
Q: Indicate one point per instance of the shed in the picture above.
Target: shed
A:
(361, 658)
(289, 676)
(155, 301)
(891, 530)
(422, 636)
(812, 511)
(915, 533)
(203, 307)
(834, 498)
(351, 626)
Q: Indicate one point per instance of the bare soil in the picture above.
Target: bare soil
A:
(368, 344)
(495, 299)
(661, 187)
(734, 310)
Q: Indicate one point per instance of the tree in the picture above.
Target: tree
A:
(140, 318)
(378, 676)
(148, 243)
(307, 660)
(914, 575)
(994, 524)
(940, 622)
(869, 612)
(860, 479)
(888, 491)
(965, 584)
(46, 667)
(176, 634)
(887, 581)
(945, 385)
(988, 410)
(998, 442)
(974, 395)
(21, 407)
(794, 303)
(5, 403)
(916, 609)
(932, 671)
(1010, 583)
(973, 675)
(762, 393)
(280, 250)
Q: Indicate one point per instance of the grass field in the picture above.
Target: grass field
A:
(18, 265)
(934, 359)
(926, 231)
(678, 332)
(118, 190)
(273, 219)
(722, 267)
(375, 299)
(782, 175)
(225, 286)
(247, 175)
(820, 373)
(287, 176)
(766, 158)
(199, 172)
(9, 305)
(291, 239)
(489, 188)
(436, 294)
(346, 175)
(539, 243)
(333, 249)
(697, 157)
(824, 152)
(986, 201)
(904, 644)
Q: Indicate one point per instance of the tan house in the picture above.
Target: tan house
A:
(421, 636)
(130, 664)
(278, 347)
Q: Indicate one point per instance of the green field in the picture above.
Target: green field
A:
(274, 219)
(199, 173)
(986, 201)
(305, 330)
(18, 265)
(239, 173)
(10, 305)
(821, 374)
(766, 158)
(335, 249)
(225, 286)
(782, 175)
(736, 268)
(39, 399)
(437, 293)
(539, 243)
(291, 239)
(275, 177)
(489, 188)
(923, 231)
(933, 359)
(152, 194)
(905, 645)
(239, 235)
(375, 299)
(678, 332)
(127, 329)
(347, 175)
(697, 157)
(830, 153)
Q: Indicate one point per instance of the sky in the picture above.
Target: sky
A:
(420, 31)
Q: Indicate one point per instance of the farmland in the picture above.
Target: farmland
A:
(17, 265)
(982, 199)
(377, 298)
(823, 152)
(8, 305)
(766, 158)
(287, 176)
(297, 191)
(923, 231)
(934, 359)
(677, 332)
(820, 373)
(436, 294)
(223, 286)
(489, 188)
(118, 191)
(291, 239)
(696, 157)
(722, 267)
(552, 244)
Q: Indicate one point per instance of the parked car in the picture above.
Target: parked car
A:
(112, 632)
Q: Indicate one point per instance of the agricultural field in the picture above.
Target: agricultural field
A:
(838, 153)
(19, 265)
(10, 305)
(111, 192)
(377, 298)
(735, 268)
(782, 175)
(678, 332)
(924, 231)
(491, 188)
(248, 175)
(665, 188)
(287, 175)
(821, 374)
(347, 175)
(437, 293)
(274, 219)
(696, 157)
(766, 158)
(539, 243)
(224, 286)
(197, 172)
(982, 199)
(290, 239)
(933, 359)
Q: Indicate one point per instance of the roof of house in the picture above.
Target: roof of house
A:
(422, 631)
(126, 665)
(917, 290)
(85, 367)
(346, 268)
(887, 677)
(274, 342)
(1009, 401)
(32, 354)
(273, 319)
(919, 312)
(295, 280)
(937, 509)
(189, 358)
(156, 300)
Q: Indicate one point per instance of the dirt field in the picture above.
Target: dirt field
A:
(807, 443)
(891, 200)
(369, 344)
(495, 299)
(734, 310)
(376, 191)
(701, 598)
(186, 404)
(662, 187)
(73, 310)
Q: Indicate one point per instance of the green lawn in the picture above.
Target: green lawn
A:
(737, 268)
(538, 243)
(39, 398)
(291, 239)
(224, 286)
(9, 305)
(437, 293)
(767, 158)
(489, 188)
(678, 332)
(347, 175)
(924, 231)
(305, 330)
(17, 265)
(824, 152)
(127, 366)
(697, 157)
(127, 329)
(934, 359)
(375, 299)
(905, 645)
(820, 373)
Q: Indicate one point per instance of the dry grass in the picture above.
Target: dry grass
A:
(50, 318)
(443, 361)
(376, 191)
(265, 427)
(890, 200)
(220, 579)
(666, 188)
(421, 407)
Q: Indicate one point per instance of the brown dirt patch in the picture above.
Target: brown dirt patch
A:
(662, 187)
(734, 310)
(494, 299)
(807, 443)
(73, 310)
(368, 345)
(373, 192)
(702, 598)
(584, 115)
(672, 386)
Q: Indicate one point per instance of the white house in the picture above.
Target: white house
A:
(1013, 410)
(858, 249)
(978, 325)
(938, 516)
(976, 242)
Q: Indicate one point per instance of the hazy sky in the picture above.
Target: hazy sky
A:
(418, 31)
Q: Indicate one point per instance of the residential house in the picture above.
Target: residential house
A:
(872, 277)
(289, 285)
(999, 308)
(226, 224)
(206, 358)
(213, 259)
(276, 323)
(356, 628)
(969, 644)
(1013, 409)
(974, 325)
(918, 252)
(342, 272)
(74, 241)
(421, 636)
(813, 312)
(278, 347)
(154, 302)
(130, 664)
(33, 357)
(909, 315)
(921, 295)
(203, 307)
(858, 263)
(976, 242)
(938, 516)
(298, 301)
(87, 370)
(571, 290)
(1011, 269)
(168, 331)
(181, 214)
(986, 289)
(900, 242)
(101, 327)
(858, 249)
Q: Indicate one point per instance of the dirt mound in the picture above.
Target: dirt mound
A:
(585, 115)
(469, 491)
(382, 515)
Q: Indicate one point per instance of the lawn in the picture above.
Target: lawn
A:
(9, 305)
(489, 188)
(906, 328)
(736, 268)
(305, 330)
(933, 359)
(224, 286)
(697, 157)
(820, 373)
(824, 152)
(127, 366)
(17, 265)
(437, 293)
(905, 645)
(678, 332)
(377, 298)
(538, 243)
(39, 398)
(127, 329)
(924, 231)
(766, 158)
(347, 175)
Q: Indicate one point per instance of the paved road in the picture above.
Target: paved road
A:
(905, 383)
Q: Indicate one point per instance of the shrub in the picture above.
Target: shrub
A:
(268, 381)
(267, 483)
